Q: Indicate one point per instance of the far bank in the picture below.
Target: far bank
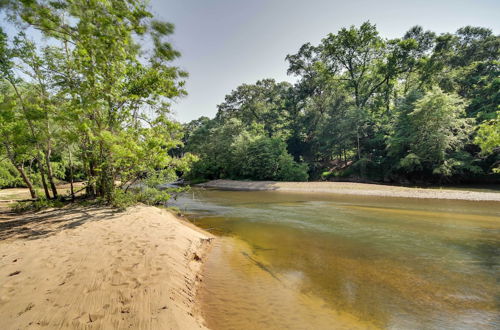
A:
(351, 188)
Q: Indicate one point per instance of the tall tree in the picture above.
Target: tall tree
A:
(114, 92)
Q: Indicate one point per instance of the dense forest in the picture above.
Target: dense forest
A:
(88, 99)
(423, 108)
(87, 87)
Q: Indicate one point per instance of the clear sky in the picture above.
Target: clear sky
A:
(225, 43)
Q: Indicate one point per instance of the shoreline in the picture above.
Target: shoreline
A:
(352, 188)
(93, 268)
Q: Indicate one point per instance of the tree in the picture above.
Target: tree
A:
(363, 107)
(431, 132)
(17, 143)
(230, 149)
(488, 138)
(263, 102)
(97, 80)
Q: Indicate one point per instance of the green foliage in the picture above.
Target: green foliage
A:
(430, 133)
(91, 100)
(488, 139)
(122, 199)
(415, 108)
(228, 149)
(438, 126)
(430, 130)
(9, 177)
(488, 135)
(264, 102)
(265, 159)
(289, 170)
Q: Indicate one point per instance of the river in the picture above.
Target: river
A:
(325, 261)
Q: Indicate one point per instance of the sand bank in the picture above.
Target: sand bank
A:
(92, 268)
(351, 188)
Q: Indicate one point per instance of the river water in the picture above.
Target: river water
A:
(324, 261)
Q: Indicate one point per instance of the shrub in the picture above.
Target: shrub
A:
(266, 158)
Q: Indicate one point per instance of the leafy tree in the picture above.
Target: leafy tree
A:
(488, 138)
(98, 83)
(372, 108)
(17, 143)
(263, 102)
(230, 150)
(431, 133)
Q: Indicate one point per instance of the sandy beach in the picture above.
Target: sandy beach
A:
(352, 188)
(94, 268)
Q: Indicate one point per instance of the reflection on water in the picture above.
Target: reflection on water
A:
(315, 261)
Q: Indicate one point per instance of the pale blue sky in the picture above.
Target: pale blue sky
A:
(225, 43)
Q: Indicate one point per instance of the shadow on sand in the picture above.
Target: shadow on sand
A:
(35, 225)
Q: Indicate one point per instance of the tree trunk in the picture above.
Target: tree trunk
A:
(20, 169)
(71, 176)
(42, 174)
(50, 175)
(27, 181)
(91, 184)
(357, 147)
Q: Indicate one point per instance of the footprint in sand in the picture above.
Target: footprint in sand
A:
(28, 308)
(136, 283)
(122, 298)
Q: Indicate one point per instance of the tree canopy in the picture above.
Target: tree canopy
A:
(92, 96)
(420, 108)
(90, 101)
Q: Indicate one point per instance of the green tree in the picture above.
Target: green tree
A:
(431, 132)
(114, 93)
(488, 138)
(16, 143)
(264, 102)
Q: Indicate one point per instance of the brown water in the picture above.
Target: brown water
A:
(319, 261)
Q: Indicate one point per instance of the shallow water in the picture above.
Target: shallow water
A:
(316, 261)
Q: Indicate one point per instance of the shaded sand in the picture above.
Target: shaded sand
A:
(352, 188)
(92, 268)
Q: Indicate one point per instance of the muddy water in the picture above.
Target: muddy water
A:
(316, 261)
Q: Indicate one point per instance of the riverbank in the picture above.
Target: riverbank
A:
(351, 188)
(93, 268)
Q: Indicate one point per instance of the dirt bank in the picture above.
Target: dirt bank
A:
(92, 268)
(350, 188)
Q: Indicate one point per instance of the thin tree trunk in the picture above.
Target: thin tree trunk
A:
(20, 169)
(50, 175)
(30, 124)
(91, 186)
(27, 181)
(357, 138)
(42, 174)
(71, 176)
